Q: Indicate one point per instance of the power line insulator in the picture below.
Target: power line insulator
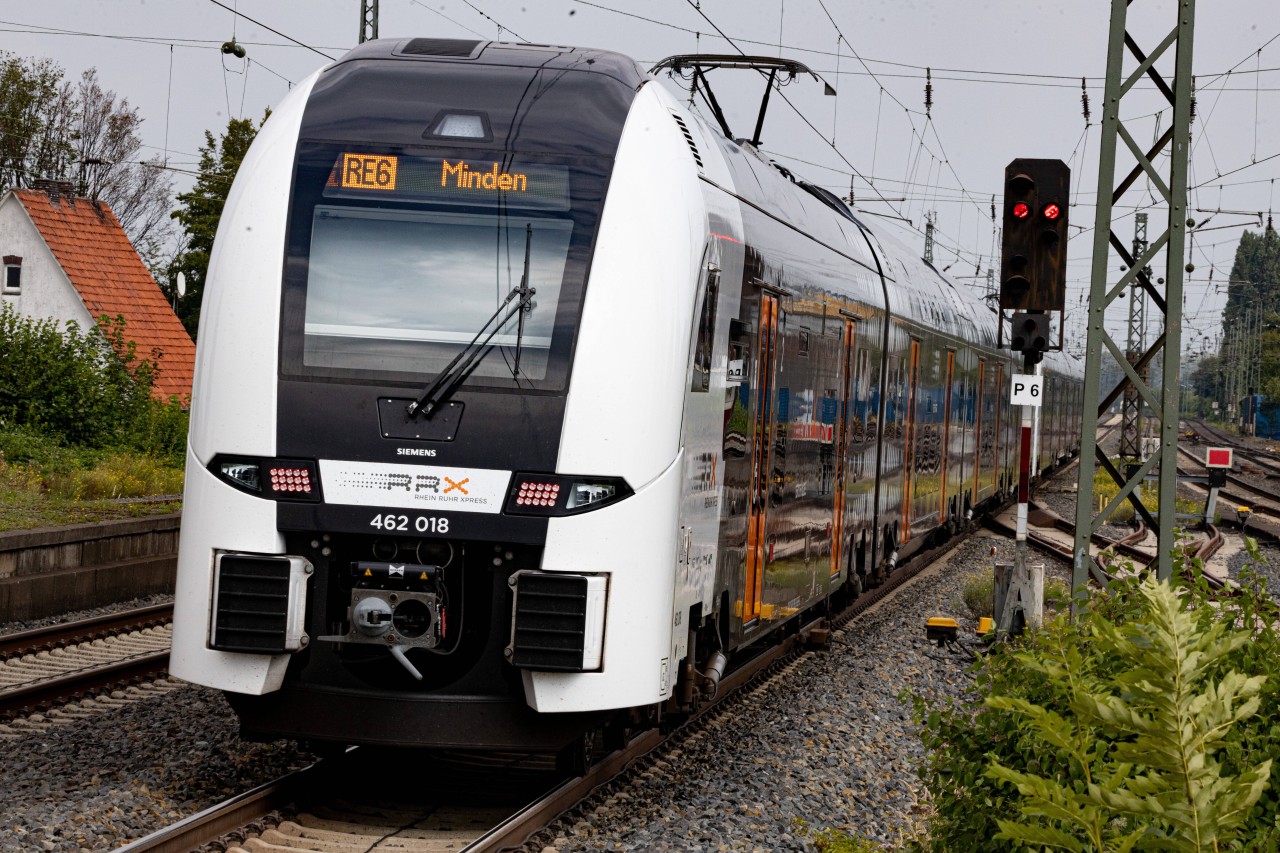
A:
(928, 92)
(1084, 101)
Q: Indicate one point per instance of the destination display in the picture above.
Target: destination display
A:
(444, 180)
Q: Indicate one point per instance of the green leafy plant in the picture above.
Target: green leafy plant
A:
(1055, 668)
(1143, 740)
(85, 388)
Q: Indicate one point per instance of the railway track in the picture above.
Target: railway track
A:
(290, 815)
(45, 667)
(1262, 499)
(1043, 524)
(1265, 462)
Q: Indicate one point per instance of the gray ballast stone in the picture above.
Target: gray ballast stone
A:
(830, 746)
(98, 782)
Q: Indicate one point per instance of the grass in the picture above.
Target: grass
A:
(980, 594)
(836, 840)
(980, 590)
(43, 484)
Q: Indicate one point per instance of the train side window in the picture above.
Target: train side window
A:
(706, 332)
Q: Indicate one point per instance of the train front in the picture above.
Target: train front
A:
(403, 523)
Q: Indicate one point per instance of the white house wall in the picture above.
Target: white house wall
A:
(46, 291)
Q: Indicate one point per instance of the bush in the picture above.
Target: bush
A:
(1082, 710)
(980, 594)
(85, 389)
(117, 475)
(1057, 595)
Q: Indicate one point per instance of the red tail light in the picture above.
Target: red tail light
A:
(550, 494)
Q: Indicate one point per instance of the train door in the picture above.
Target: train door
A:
(945, 449)
(997, 463)
(842, 444)
(981, 391)
(909, 448)
(762, 440)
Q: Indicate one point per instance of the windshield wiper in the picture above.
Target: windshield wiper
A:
(470, 356)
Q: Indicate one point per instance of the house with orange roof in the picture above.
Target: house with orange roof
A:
(67, 258)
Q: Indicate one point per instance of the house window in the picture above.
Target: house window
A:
(12, 274)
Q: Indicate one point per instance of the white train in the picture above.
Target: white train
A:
(524, 396)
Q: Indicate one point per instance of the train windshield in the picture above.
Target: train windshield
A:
(397, 260)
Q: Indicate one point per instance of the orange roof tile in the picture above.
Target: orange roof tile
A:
(96, 255)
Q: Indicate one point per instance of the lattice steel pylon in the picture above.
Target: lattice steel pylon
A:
(1167, 300)
(368, 20)
(1131, 408)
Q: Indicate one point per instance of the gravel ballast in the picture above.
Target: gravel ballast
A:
(98, 782)
(830, 746)
(76, 616)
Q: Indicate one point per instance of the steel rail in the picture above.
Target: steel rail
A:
(225, 817)
(26, 642)
(38, 695)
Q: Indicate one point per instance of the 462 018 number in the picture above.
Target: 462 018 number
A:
(392, 522)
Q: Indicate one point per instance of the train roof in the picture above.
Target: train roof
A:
(501, 53)
(917, 289)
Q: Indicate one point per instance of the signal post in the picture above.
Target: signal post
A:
(1033, 290)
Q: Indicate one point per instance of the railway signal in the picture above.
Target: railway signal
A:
(1033, 269)
(1033, 287)
(1030, 333)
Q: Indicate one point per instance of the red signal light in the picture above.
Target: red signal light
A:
(1052, 211)
(1021, 210)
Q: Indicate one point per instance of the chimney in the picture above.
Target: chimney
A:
(56, 189)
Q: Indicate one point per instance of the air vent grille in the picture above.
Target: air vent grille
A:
(252, 607)
(688, 137)
(439, 47)
(549, 626)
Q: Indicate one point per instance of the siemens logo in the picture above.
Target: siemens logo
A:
(415, 451)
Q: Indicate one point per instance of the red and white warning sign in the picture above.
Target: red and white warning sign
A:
(1218, 457)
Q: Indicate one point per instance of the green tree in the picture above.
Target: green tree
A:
(1255, 277)
(1252, 312)
(201, 211)
(82, 133)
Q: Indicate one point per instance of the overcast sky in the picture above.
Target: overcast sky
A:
(1005, 83)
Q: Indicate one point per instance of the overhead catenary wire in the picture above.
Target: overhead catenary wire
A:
(270, 29)
(438, 13)
(493, 21)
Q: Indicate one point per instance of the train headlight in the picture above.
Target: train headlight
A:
(279, 479)
(460, 124)
(246, 475)
(547, 494)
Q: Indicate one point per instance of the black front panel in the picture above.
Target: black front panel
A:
(403, 244)
(432, 190)
(562, 101)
